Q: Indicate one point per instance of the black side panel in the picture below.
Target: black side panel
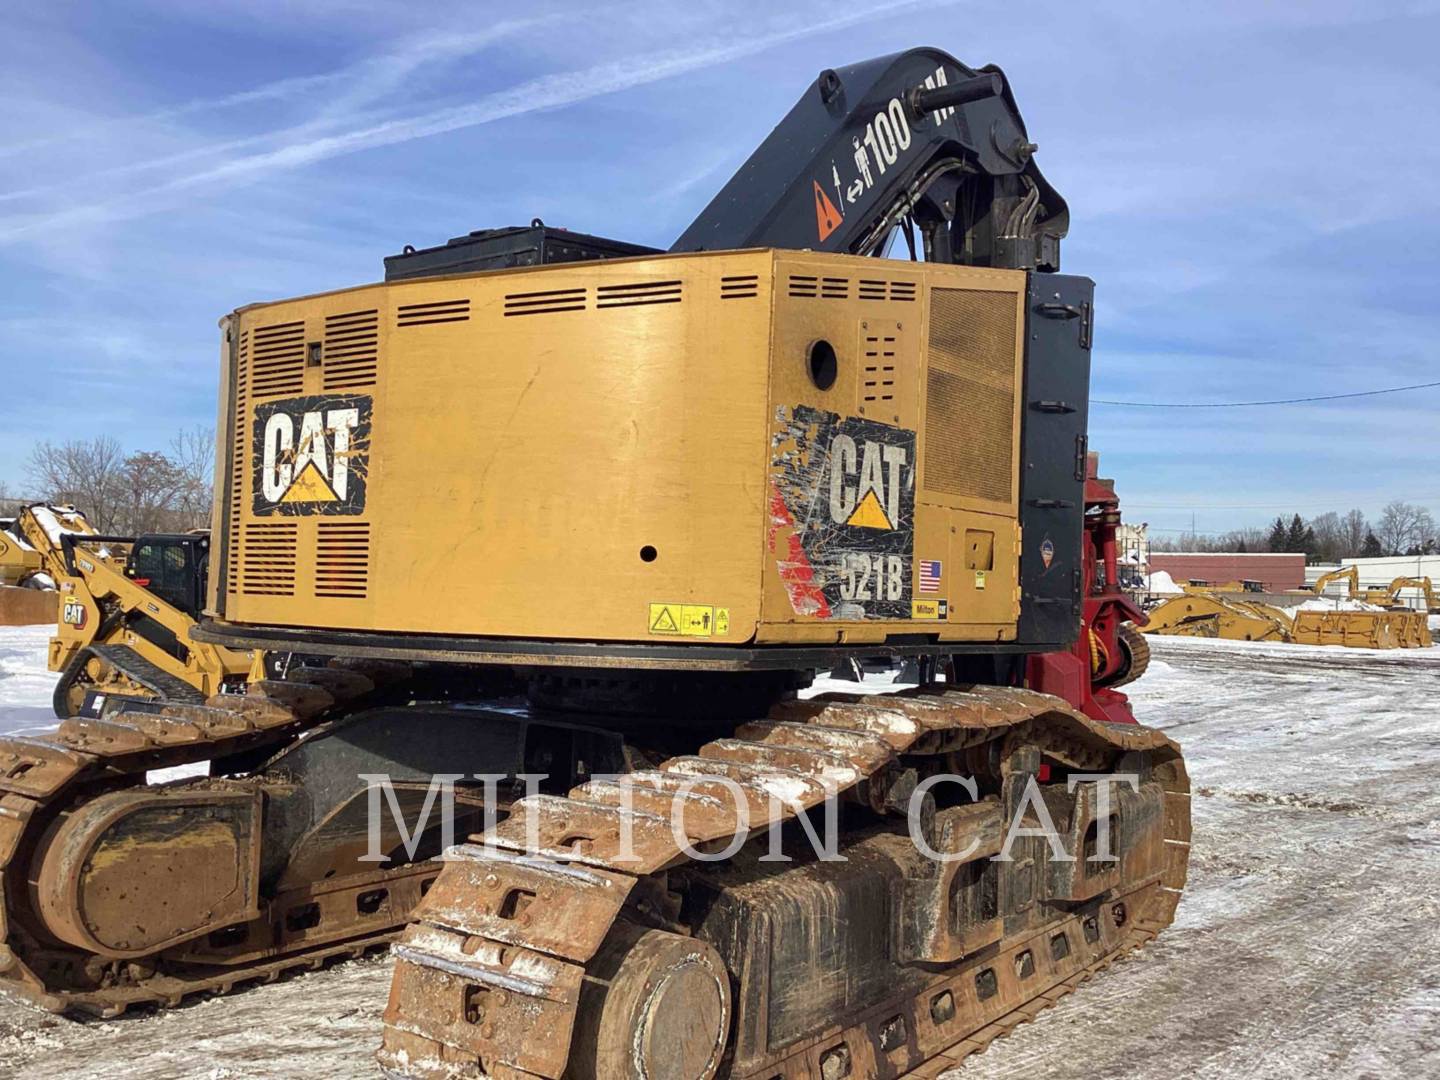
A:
(1058, 319)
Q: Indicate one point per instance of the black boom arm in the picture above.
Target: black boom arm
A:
(918, 136)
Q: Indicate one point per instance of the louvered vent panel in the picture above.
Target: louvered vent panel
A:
(352, 350)
(342, 559)
(804, 285)
(544, 303)
(902, 290)
(439, 311)
(277, 360)
(637, 294)
(239, 454)
(970, 394)
(835, 288)
(870, 289)
(267, 558)
(739, 286)
(878, 370)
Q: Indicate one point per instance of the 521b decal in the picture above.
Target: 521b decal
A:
(845, 487)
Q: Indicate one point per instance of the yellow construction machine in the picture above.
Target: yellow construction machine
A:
(659, 490)
(1214, 616)
(1195, 586)
(1389, 596)
(1381, 625)
(126, 607)
(1203, 612)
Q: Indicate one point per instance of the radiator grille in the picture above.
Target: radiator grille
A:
(352, 350)
(739, 286)
(342, 559)
(238, 456)
(438, 311)
(267, 559)
(277, 364)
(638, 293)
(970, 394)
(545, 302)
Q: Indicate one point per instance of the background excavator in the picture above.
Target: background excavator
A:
(655, 492)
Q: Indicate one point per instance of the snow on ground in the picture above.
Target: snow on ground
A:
(25, 683)
(1306, 944)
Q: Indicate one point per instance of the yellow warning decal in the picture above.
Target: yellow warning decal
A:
(926, 609)
(869, 514)
(979, 579)
(697, 620)
(689, 620)
(309, 487)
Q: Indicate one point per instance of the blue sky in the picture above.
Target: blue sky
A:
(1252, 186)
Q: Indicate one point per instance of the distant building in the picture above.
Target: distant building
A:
(1276, 572)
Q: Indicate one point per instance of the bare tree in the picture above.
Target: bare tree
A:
(192, 452)
(9, 504)
(1353, 528)
(150, 485)
(147, 491)
(85, 472)
(1329, 533)
(1404, 526)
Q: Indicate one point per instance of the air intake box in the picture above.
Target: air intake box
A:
(504, 249)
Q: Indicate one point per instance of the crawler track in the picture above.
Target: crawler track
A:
(43, 778)
(563, 954)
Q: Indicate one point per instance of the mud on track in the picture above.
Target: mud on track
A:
(1307, 944)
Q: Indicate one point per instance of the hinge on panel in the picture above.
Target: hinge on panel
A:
(1082, 446)
(1050, 504)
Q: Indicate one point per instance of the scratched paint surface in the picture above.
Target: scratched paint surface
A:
(311, 455)
(842, 514)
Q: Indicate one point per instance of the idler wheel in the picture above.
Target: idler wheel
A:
(656, 1006)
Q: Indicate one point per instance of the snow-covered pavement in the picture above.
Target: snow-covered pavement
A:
(25, 683)
(1307, 944)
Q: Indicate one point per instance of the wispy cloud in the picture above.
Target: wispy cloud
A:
(535, 95)
(356, 87)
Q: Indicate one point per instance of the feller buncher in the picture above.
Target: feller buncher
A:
(127, 605)
(660, 489)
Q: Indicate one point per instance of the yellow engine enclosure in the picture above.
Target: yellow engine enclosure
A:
(629, 450)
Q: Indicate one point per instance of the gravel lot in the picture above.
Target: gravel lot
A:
(1306, 946)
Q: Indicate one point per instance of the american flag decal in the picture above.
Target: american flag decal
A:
(929, 575)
